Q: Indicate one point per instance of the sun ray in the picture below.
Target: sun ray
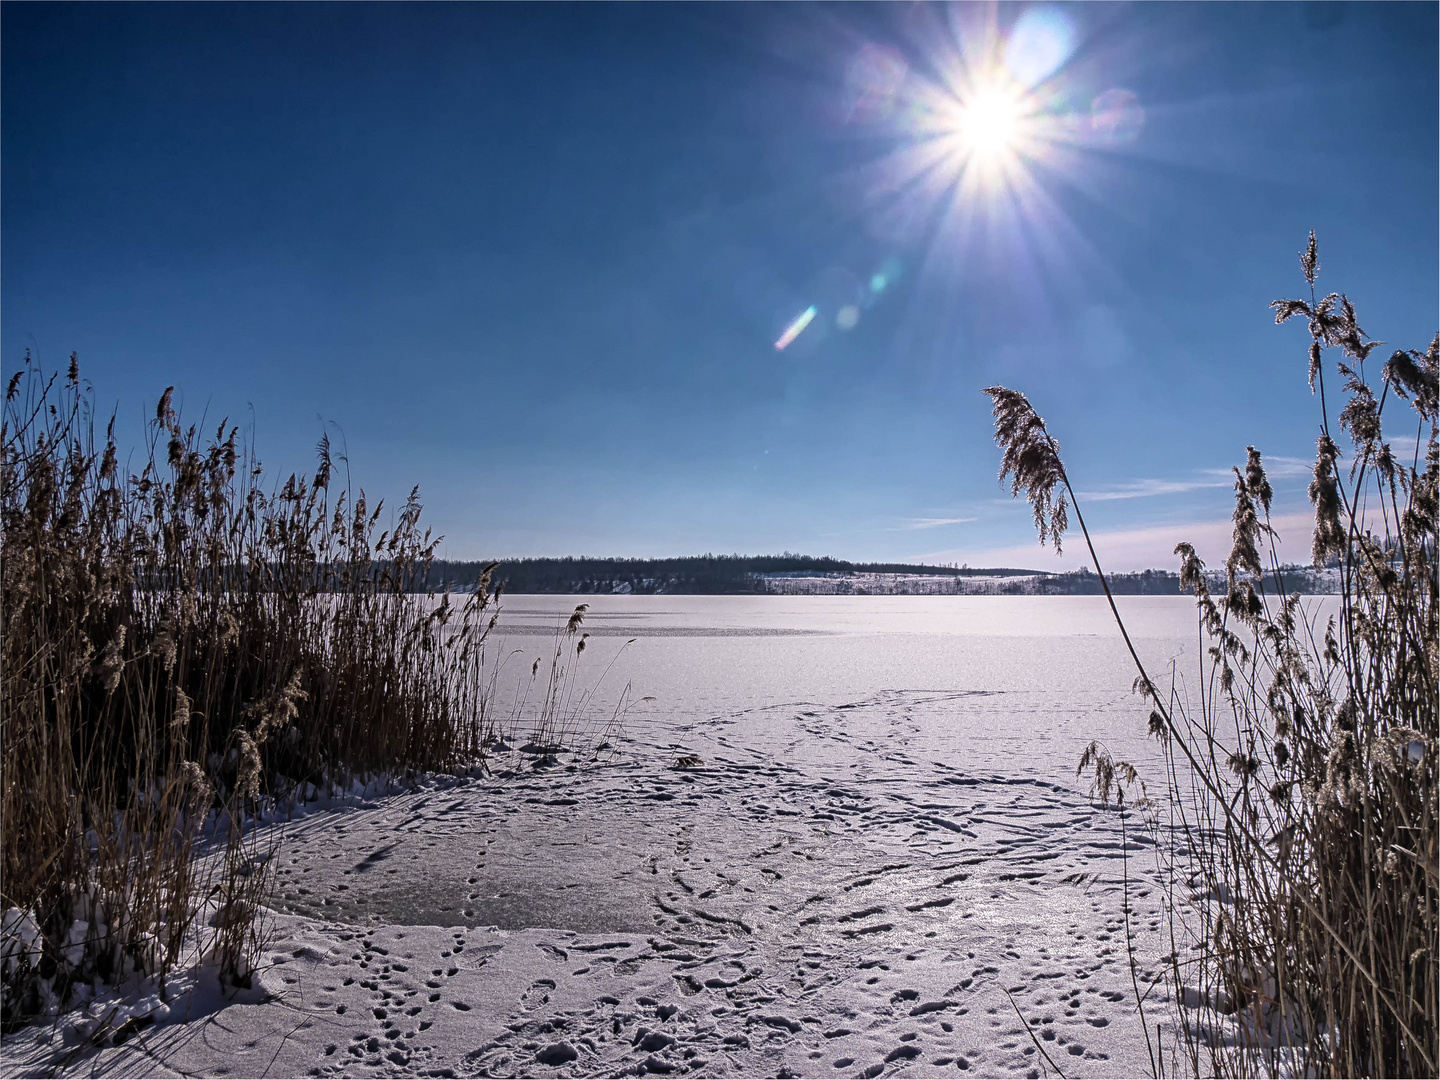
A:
(998, 132)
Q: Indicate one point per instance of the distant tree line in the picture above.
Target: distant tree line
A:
(740, 574)
(699, 574)
(1083, 582)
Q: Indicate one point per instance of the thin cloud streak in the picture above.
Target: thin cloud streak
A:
(1142, 489)
(931, 523)
(1407, 449)
(1277, 467)
(1150, 548)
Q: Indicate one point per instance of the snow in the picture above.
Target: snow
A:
(833, 890)
(851, 887)
(19, 940)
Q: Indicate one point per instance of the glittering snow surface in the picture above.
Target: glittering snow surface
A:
(854, 888)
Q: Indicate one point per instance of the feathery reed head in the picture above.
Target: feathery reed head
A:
(1031, 460)
(1255, 482)
(1109, 774)
(1192, 570)
(1324, 494)
(1250, 486)
(1310, 261)
(1413, 376)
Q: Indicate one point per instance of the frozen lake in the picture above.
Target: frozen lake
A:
(845, 839)
(1057, 661)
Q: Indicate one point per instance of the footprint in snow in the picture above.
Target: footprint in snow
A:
(538, 994)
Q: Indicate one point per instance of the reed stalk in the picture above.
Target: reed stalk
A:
(1301, 851)
(180, 648)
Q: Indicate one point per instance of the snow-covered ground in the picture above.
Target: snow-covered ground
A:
(848, 887)
(833, 891)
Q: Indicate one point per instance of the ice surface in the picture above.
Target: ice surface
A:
(860, 868)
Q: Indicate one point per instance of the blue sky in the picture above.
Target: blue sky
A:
(537, 259)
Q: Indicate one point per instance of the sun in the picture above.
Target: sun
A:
(984, 133)
(990, 123)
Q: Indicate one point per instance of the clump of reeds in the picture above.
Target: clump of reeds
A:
(1300, 847)
(564, 714)
(178, 648)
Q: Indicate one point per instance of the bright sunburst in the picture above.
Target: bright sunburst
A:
(993, 119)
(990, 126)
(977, 134)
(990, 123)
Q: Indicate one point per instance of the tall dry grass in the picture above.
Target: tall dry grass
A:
(181, 646)
(1298, 841)
(556, 713)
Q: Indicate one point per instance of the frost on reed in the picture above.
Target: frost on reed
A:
(1298, 840)
(178, 647)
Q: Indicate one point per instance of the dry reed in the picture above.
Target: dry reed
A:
(564, 717)
(181, 648)
(1298, 841)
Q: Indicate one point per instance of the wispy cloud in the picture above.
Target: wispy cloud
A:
(1406, 448)
(1277, 467)
(1139, 549)
(930, 523)
(1141, 489)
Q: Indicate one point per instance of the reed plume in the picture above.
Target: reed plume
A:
(1299, 847)
(1031, 460)
(181, 648)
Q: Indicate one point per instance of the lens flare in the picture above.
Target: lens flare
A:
(847, 317)
(1040, 43)
(1116, 116)
(873, 79)
(793, 330)
(991, 122)
(995, 123)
